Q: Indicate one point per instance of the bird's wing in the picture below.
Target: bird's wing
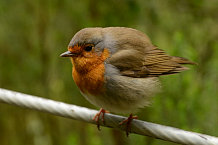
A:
(154, 62)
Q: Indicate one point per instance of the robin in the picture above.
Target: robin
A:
(118, 68)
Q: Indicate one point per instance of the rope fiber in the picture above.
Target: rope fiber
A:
(84, 114)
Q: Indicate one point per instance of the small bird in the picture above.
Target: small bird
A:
(118, 68)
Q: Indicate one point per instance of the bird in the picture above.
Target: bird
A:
(117, 69)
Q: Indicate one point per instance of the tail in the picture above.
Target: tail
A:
(181, 61)
(158, 63)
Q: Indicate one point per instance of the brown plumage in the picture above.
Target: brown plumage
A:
(155, 63)
(136, 56)
(118, 68)
(125, 78)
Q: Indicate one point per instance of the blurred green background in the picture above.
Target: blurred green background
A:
(34, 33)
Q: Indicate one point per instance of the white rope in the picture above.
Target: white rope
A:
(85, 114)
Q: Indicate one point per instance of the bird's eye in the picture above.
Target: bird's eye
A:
(88, 48)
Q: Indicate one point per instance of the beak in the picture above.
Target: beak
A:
(67, 54)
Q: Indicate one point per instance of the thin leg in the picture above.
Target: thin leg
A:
(128, 123)
(98, 116)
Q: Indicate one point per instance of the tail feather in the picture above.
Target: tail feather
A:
(181, 60)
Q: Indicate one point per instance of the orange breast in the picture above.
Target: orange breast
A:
(88, 74)
(91, 82)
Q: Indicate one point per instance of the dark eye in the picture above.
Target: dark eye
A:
(88, 48)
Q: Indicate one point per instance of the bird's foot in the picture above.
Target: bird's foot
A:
(98, 116)
(128, 123)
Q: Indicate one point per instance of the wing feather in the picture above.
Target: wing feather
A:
(154, 62)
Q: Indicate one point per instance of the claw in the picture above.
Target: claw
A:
(128, 123)
(98, 116)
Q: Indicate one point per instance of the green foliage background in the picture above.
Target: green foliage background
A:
(34, 33)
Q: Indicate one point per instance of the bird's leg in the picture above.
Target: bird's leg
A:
(98, 116)
(128, 123)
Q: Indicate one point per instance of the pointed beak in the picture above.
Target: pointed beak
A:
(67, 54)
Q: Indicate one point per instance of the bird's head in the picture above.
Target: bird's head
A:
(87, 49)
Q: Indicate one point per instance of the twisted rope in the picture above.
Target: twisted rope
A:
(85, 114)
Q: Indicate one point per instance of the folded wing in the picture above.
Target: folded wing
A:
(150, 63)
